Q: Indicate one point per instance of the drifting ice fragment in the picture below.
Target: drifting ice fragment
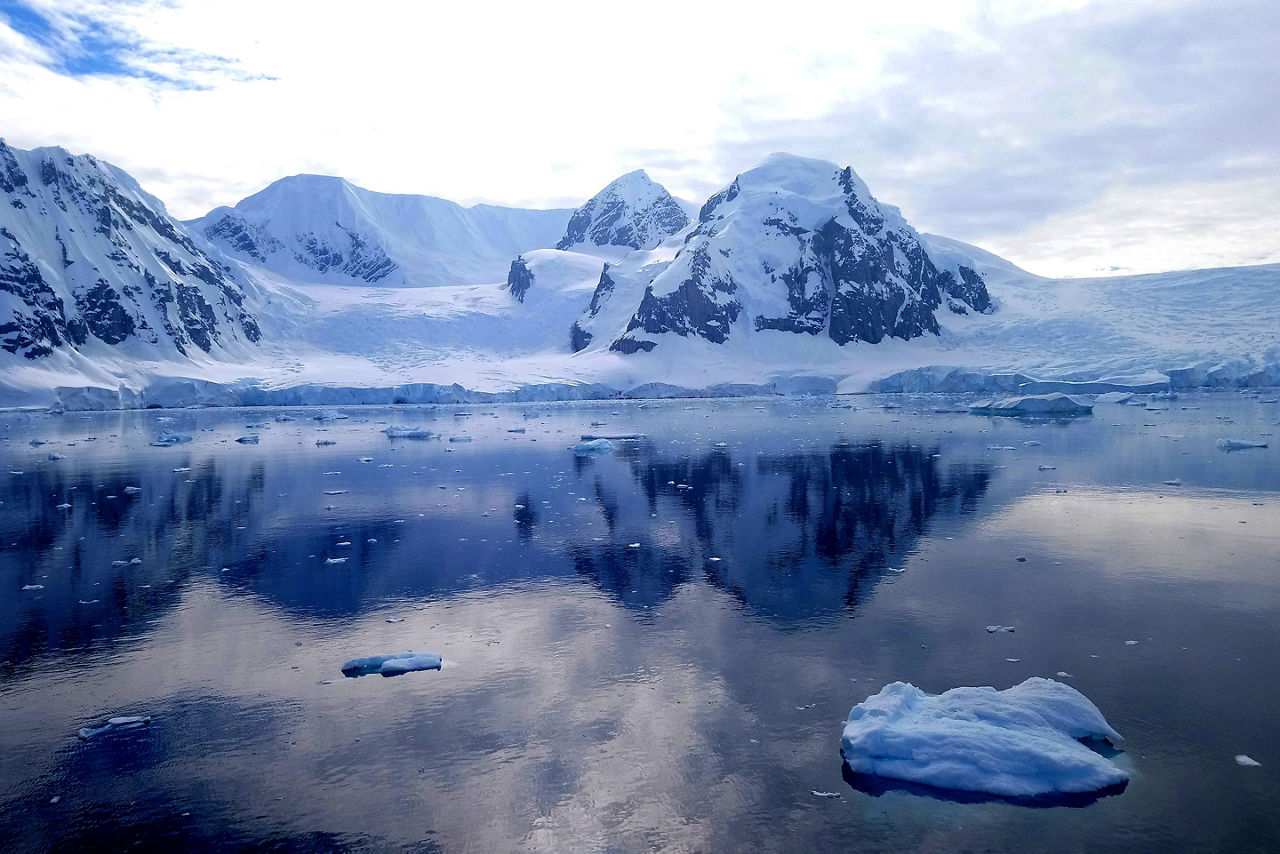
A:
(592, 447)
(1239, 444)
(1020, 742)
(994, 629)
(1035, 404)
(132, 490)
(818, 794)
(53, 458)
(112, 724)
(33, 587)
(1247, 761)
(1173, 482)
(408, 433)
(168, 438)
(335, 560)
(392, 665)
(324, 443)
(251, 439)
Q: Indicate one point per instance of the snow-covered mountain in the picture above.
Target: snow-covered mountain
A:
(795, 246)
(633, 212)
(314, 228)
(90, 264)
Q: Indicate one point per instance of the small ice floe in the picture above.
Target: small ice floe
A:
(1055, 404)
(364, 459)
(336, 491)
(284, 419)
(329, 416)
(592, 448)
(1173, 481)
(1013, 660)
(53, 458)
(818, 794)
(1047, 468)
(33, 587)
(1020, 742)
(993, 629)
(392, 665)
(168, 438)
(1130, 643)
(251, 439)
(1239, 444)
(1033, 443)
(516, 430)
(182, 470)
(324, 443)
(1001, 448)
(395, 432)
(63, 507)
(335, 560)
(395, 619)
(131, 722)
(1247, 761)
(459, 440)
(633, 545)
(1062, 674)
(132, 490)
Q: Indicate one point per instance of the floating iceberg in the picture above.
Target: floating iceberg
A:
(251, 439)
(1239, 444)
(113, 724)
(1054, 404)
(408, 433)
(592, 447)
(392, 665)
(168, 438)
(1020, 742)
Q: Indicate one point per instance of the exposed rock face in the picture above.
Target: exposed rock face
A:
(88, 258)
(633, 211)
(519, 279)
(796, 246)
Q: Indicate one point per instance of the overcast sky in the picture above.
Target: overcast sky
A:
(1072, 137)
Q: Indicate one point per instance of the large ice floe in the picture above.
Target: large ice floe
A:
(1043, 405)
(392, 665)
(1022, 742)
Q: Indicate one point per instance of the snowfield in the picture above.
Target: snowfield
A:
(365, 297)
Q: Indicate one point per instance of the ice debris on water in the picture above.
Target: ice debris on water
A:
(592, 447)
(818, 794)
(251, 439)
(33, 587)
(130, 722)
(168, 438)
(395, 432)
(994, 629)
(132, 490)
(1247, 761)
(53, 458)
(1023, 741)
(335, 560)
(1173, 482)
(324, 443)
(1055, 404)
(392, 665)
(1239, 444)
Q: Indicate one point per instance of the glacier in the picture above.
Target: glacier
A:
(791, 279)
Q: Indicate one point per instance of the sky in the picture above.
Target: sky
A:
(1072, 137)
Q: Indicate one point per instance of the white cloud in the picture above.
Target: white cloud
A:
(966, 114)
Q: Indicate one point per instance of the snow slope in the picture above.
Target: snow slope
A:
(95, 275)
(793, 275)
(315, 228)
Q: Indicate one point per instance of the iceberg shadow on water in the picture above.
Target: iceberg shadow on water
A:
(875, 786)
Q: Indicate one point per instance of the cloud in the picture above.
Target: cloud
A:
(986, 121)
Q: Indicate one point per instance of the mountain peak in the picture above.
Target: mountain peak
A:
(633, 211)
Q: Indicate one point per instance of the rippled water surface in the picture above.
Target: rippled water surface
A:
(651, 649)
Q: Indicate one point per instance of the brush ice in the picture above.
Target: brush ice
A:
(592, 447)
(392, 665)
(1239, 444)
(408, 433)
(1020, 742)
(129, 722)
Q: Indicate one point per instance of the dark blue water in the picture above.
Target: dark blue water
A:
(653, 649)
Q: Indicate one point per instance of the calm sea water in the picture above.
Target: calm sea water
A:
(653, 649)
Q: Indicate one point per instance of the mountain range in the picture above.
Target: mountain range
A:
(792, 276)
